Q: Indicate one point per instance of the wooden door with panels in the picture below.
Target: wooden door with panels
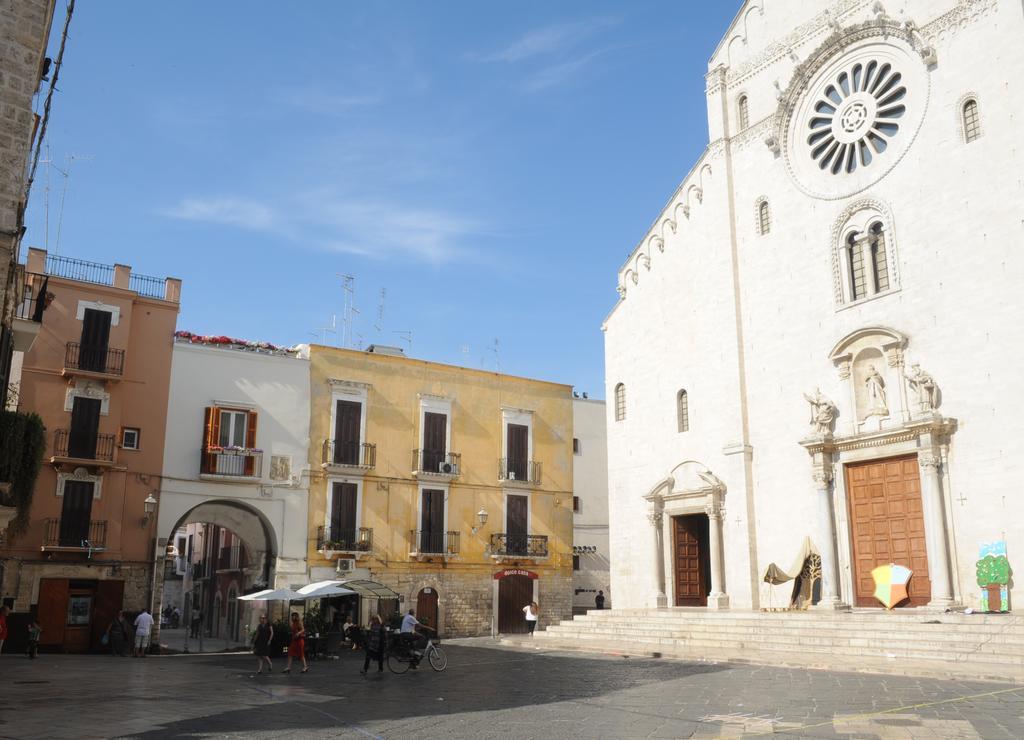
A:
(887, 526)
(690, 557)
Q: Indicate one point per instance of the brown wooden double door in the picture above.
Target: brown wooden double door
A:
(887, 526)
(691, 558)
(514, 593)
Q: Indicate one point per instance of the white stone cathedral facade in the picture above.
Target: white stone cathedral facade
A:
(820, 336)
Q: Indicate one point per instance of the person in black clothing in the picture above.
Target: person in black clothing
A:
(261, 644)
(599, 600)
(375, 641)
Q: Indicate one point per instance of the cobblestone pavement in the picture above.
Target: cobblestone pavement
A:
(487, 692)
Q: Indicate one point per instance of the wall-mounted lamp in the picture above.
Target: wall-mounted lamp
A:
(149, 507)
(482, 518)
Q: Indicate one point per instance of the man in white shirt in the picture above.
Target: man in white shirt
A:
(411, 635)
(143, 628)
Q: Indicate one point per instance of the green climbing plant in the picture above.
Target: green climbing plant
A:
(993, 569)
(22, 445)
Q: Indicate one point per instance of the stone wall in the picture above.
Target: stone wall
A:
(21, 580)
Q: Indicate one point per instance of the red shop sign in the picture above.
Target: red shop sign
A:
(515, 572)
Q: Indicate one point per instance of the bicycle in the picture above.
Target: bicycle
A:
(401, 657)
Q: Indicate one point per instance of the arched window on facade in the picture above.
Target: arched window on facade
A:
(971, 120)
(620, 402)
(744, 111)
(683, 411)
(855, 260)
(764, 218)
(879, 260)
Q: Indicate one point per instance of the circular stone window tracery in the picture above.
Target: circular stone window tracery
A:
(859, 114)
(856, 117)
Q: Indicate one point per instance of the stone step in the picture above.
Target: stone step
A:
(810, 615)
(1005, 627)
(974, 669)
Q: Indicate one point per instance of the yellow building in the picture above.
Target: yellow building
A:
(451, 485)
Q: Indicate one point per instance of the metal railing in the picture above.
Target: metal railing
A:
(344, 539)
(519, 545)
(76, 533)
(520, 471)
(231, 462)
(434, 543)
(33, 302)
(94, 359)
(67, 443)
(436, 462)
(99, 274)
(352, 454)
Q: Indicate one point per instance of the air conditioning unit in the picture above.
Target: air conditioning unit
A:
(511, 475)
(345, 565)
(447, 468)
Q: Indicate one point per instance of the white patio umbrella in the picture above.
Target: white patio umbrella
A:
(323, 590)
(272, 594)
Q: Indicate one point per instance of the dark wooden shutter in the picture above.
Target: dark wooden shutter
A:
(85, 424)
(211, 438)
(52, 609)
(435, 428)
(95, 339)
(250, 444)
(76, 513)
(343, 513)
(514, 592)
(108, 601)
(516, 515)
(432, 521)
(518, 449)
(347, 421)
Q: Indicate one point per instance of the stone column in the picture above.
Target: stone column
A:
(654, 516)
(822, 475)
(936, 540)
(717, 599)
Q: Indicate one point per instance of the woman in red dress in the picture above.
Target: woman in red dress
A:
(297, 647)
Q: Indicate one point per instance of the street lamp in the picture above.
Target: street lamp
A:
(149, 506)
(482, 518)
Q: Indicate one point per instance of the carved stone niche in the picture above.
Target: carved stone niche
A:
(869, 363)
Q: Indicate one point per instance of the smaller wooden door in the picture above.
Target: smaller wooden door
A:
(426, 607)
(343, 512)
(52, 609)
(516, 524)
(109, 597)
(514, 592)
(76, 513)
(85, 424)
(435, 432)
(347, 422)
(517, 449)
(690, 546)
(432, 521)
(94, 340)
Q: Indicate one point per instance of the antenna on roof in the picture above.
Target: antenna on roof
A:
(348, 286)
(405, 336)
(379, 326)
(325, 330)
(497, 355)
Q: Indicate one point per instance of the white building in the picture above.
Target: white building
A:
(235, 458)
(857, 214)
(590, 504)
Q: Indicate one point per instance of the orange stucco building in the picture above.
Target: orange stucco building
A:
(98, 374)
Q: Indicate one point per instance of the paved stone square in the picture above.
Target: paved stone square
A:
(487, 692)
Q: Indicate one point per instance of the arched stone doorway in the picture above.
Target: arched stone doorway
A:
(213, 553)
(426, 608)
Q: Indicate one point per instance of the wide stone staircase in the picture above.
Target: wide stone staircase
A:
(907, 641)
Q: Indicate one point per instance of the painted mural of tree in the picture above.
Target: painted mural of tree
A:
(993, 569)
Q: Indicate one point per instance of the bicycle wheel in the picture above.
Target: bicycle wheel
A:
(438, 660)
(398, 664)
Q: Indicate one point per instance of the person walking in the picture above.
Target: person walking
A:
(297, 647)
(261, 644)
(143, 628)
(375, 641)
(4, 611)
(599, 600)
(119, 635)
(532, 612)
(34, 631)
(196, 622)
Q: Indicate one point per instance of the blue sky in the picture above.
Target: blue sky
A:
(489, 164)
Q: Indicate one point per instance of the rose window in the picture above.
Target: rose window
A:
(856, 117)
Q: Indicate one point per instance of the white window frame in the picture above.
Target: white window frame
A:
(517, 416)
(344, 390)
(96, 480)
(858, 220)
(419, 502)
(87, 389)
(529, 510)
(114, 311)
(234, 414)
(329, 503)
(138, 437)
(436, 405)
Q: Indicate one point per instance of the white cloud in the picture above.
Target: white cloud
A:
(557, 74)
(548, 40)
(323, 102)
(232, 211)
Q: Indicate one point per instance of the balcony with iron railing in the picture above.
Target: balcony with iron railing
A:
(342, 456)
(75, 534)
(357, 540)
(444, 544)
(519, 472)
(70, 445)
(227, 463)
(436, 464)
(518, 546)
(93, 361)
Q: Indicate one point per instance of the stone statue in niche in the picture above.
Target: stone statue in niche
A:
(875, 384)
(823, 413)
(924, 386)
